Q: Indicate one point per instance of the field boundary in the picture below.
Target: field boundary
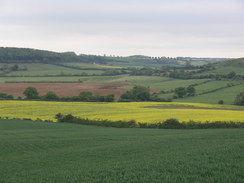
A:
(167, 124)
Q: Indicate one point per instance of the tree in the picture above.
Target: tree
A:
(137, 93)
(231, 74)
(51, 96)
(86, 96)
(191, 91)
(239, 99)
(31, 93)
(109, 98)
(141, 93)
(180, 92)
(15, 67)
(221, 102)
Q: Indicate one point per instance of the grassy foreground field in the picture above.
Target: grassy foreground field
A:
(147, 112)
(60, 152)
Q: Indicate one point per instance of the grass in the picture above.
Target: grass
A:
(172, 84)
(158, 82)
(236, 65)
(225, 70)
(48, 69)
(86, 79)
(50, 152)
(227, 94)
(147, 112)
(83, 65)
(214, 84)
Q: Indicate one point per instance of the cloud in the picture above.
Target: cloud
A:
(122, 27)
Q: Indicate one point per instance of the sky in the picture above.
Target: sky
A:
(171, 28)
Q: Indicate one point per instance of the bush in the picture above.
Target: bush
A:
(6, 96)
(239, 99)
(50, 96)
(137, 93)
(172, 123)
(31, 93)
(221, 102)
(167, 124)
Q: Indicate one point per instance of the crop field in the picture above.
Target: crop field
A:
(228, 95)
(61, 152)
(158, 82)
(65, 89)
(147, 112)
(226, 70)
(214, 84)
(48, 69)
(172, 84)
(90, 79)
(90, 66)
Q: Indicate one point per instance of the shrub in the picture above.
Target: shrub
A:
(31, 93)
(221, 102)
(239, 99)
(167, 124)
(171, 123)
(50, 96)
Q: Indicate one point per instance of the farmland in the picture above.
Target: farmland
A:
(39, 151)
(66, 89)
(61, 152)
(221, 79)
(147, 112)
(227, 94)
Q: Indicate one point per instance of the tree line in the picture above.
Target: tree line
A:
(136, 94)
(187, 72)
(166, 124)
(31, 93)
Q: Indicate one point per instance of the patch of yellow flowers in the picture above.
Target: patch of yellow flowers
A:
(109, 66)
(148, 112)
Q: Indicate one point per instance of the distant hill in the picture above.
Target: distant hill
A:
(20, 55)
(233, 65)
(27, 55)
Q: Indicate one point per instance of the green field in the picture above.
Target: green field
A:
(228, 95)
(90, 79)
(236, 65)
(39, 69)
(50, 152)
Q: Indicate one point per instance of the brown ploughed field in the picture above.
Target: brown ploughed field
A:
(66, 89)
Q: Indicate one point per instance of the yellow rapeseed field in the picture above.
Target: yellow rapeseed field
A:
(148, 112)
(109, 66)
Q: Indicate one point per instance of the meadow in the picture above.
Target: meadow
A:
(146, 112)
(40, 69)
(228, 95)
(60, 152)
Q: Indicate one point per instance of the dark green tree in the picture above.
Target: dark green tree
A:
(180, 92)
(86, 96)
(191, 91)
(137, 93)
(231, 74)
(31, 93)
(221, 102)
(51, 96)
(15, 67)
(109, 98)
(239, 99)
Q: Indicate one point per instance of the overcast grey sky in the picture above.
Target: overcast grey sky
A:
(197, 28)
